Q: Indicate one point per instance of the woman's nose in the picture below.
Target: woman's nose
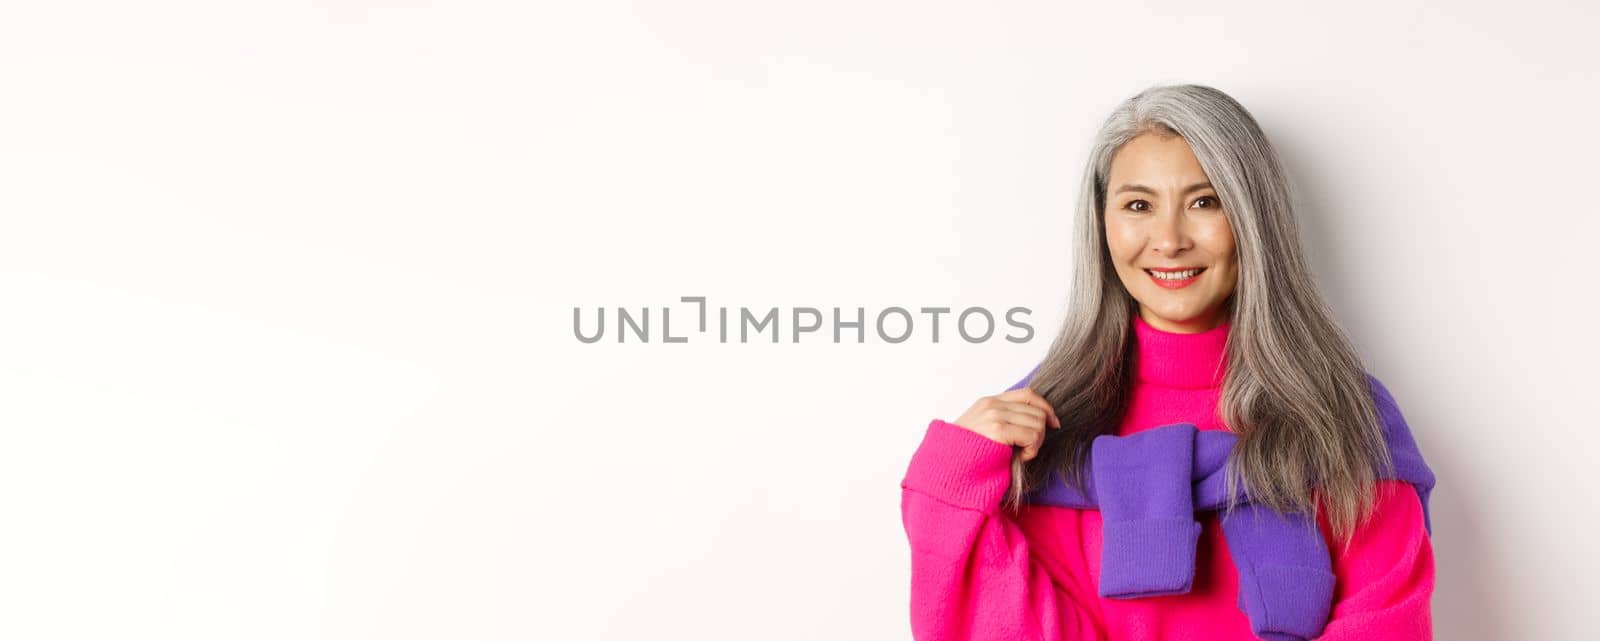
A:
(1168, 235)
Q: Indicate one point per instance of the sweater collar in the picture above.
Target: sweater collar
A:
(1171, 359)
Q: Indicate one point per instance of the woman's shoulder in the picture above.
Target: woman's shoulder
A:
(1381, 396)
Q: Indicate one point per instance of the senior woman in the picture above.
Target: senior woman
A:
(1201, 454)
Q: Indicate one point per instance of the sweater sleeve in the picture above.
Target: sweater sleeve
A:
(973, 577)
(1385, 575)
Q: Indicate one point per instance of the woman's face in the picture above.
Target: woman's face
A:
(1163, 216)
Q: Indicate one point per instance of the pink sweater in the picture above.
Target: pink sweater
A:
(979, 573)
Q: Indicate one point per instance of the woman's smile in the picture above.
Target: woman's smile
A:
(1174, 278)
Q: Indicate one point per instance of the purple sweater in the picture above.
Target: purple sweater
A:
(1147, 486)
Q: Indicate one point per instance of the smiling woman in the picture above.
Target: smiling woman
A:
(1192, 304)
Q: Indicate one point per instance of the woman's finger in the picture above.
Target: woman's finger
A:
(1028, 396)
(1025, 408)
(1028, 437)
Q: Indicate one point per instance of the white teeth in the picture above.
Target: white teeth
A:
(1175, 275)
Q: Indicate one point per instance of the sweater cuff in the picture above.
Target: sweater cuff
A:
(1148, 557)
(960, 467)
(1288, 603)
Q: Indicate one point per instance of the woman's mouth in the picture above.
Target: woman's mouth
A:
(1174, 278)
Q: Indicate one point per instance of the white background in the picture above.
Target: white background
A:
(286, 349)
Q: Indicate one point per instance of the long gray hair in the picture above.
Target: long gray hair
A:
(1295, 391)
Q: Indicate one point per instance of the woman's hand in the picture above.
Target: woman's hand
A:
(1018, 418)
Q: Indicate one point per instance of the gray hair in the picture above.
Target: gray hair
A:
(1296, 391)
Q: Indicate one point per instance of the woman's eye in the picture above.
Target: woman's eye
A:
(1140, 205)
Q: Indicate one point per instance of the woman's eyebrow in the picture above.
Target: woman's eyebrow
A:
(1204, 184)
